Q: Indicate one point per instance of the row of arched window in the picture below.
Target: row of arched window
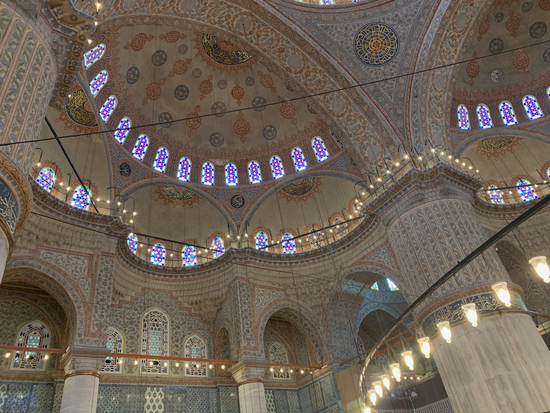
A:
(530, 104)
(81, 195)
(526, 192)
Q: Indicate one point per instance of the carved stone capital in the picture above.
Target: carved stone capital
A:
(80, 360)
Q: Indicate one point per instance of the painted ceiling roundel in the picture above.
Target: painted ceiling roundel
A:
(80, 110)
(376, 44)
(223, 52)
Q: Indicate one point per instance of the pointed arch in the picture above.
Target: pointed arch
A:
(262, 241)
(208, 173)
(81, 198)
(231, 175)
(278, 354)
(484, 116)
(195, 347)
(277, 168)
(115, 343)
(532, 107)
(184, 169)
(299, 159)
(218, 249)
(94, 55)
(463, 117)
(98, 82)
(507, 113)
(155, 340)
(132, 242)
(140, 147)
(320, 149)
(108, 108)
(122, 130)
(161, 160)
(34, 334)
(158, 254)
(289, 245)
(254, 172)
(46, 179)
(189, 255)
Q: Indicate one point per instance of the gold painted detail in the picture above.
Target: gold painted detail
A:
(376, 44)
(79, 109)
(301, 191)
(223, 51)
(497, 143)
(9, 208)
(178, 197)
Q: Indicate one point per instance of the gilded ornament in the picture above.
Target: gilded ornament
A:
(78, 109)
(376, 44)
(223, 52)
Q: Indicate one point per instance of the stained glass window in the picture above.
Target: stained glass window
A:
(161, 160)
(495, 195)
(94, 55)
(32, 335)
(112, 364)
(289, 246)
(391, 285)
(315, 239)
(277, 168)
(299, 160)
(122, 133)
(141, 147)
(548, 92)
(195, 348)
(341, 227)
(98, 82)
(81, 199)
(320, 149)
(108, 108)
(217, 247)
(254, 172)
(548, 172)
(46, 179)
(526, 190)
(132, 242)
(184, 169)
(189, 256)
(154, 341)
(532, 107)
(231, 175)
(158, 254)
(508, 114)
(463, 117)
(208, 174)
(261, 241)
(278, 354)
(484, 117)
(375, 286)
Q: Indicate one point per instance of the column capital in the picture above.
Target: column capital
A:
(249, 371)
(81, 360)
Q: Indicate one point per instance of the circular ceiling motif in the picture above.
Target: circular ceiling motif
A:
(499, 17)
(132, 75)
(219, 109)
(159, 58)
(527, 6)
(181, 92)
(223, 52)
(258, 103)
(311, 110)
(250, 81)
(546, 55)
(497, 75)
(269, 132)
(538, 30)
(197, 73)
(237, 201)
(166, 119)
(182, 49)
(79, 109)
(125, 170)
(496, 46)
(217, 140)
(222, 84)
(376, 44)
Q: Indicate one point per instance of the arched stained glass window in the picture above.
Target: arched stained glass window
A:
(158, 254)
(141, 147)
(548, 92)
(548, 172)
(391, 285)
(277, 168)
(112, 364)
(184, 169)
(289, 246)
(278, 354)
(495, 195)
(46, 179)
(508, 114)
(133, 242)
(526, 190)
(98, 82)
(81, 199)
(189, 256)
(231, 175)
(320, 149)
(108, 108)
(34, 335)
(161, 160)
(484, 117)
(463, 117)
(299, 160)
(375, 286)
(121, 133)
(208, 174)
(94, 55)
(532, 107)
(254, 172)
(261, 241)
(217, 247)
(154, 342)
(196, 349)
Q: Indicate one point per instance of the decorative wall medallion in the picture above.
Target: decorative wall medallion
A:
(496, 46)
(521, 61)
(269, 132)
(9, 208)
(165, 117)
(138, 42)
(125, 170)
(338, 106)
(223, 52)
(512, 24)
(153, 91)
(219, 109)
(295, 62)
(222, 84)
(499, 17)
(300, 191)
(159, 58)
(258, 103)
(497, 75)
(237, 201)
(181, 92)
(79, 109)
(289, 88)
(182, 49)
(176, 196)
(250, 81)
(497, 146)
(311, 110)
(206, 87)
(172, 36)
(217, 139)
(376, 44)
(180, 67)
(538, 30)
(546, 55)
(527, 6)
(132, 75)
(241, 127)
(197, 73)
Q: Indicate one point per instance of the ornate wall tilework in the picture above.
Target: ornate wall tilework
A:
(382, 256)
(242, 314)
(281, 401)
(262, 298)
(76, 267)
(9, 209)
(17, 397)
(270, 401)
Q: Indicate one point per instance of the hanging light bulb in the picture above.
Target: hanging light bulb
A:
(425, 346)
(378, 388)
(470, 313)
(372, 397)
(409, 361)
(445, 329)
(368, 410)
(541, 267)
(396, 371)
(386, 381)
(501, 288)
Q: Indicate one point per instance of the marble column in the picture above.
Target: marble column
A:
(251, 388)
(82, 367)
(503, 364)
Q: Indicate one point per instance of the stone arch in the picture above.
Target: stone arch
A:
(301, 319)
